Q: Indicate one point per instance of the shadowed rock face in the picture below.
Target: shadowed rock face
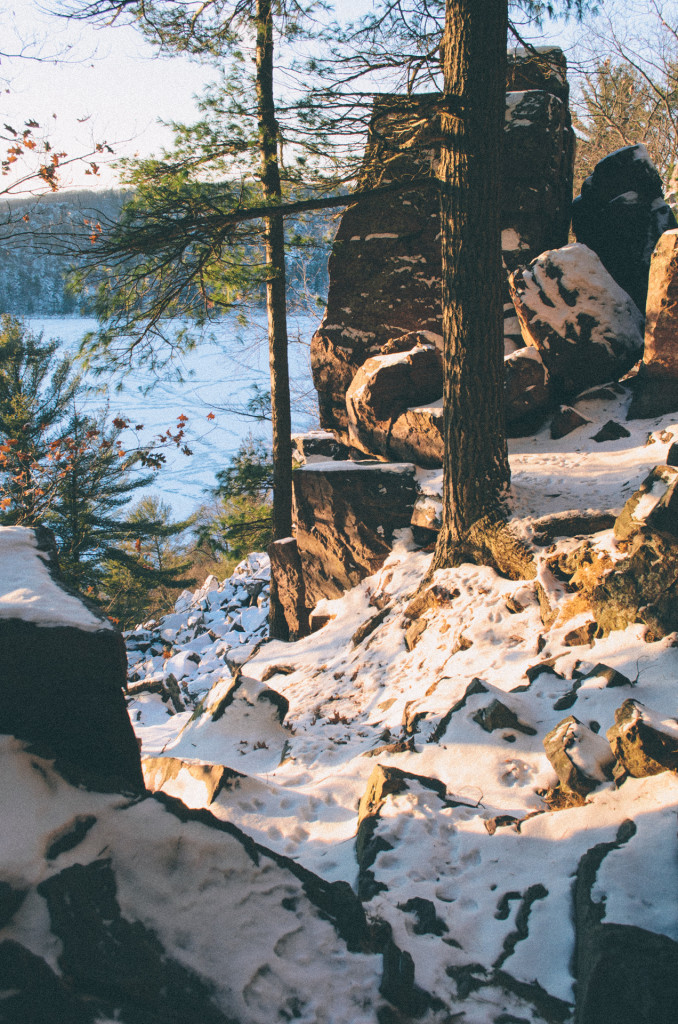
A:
(385, 267)
(620, 214)
(61, 683)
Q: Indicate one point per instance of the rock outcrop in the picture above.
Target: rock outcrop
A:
(63, 670)
(385, 266)
(620, 214)
(656, 388)
(586, 329)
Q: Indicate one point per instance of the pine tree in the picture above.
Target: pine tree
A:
(36, 388)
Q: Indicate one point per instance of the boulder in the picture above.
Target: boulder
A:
(656, 389)
(346, 515)
(383, 389)
(417, 435)
(385, 266)
(586, 329)
(580, 758)
(63, 669)
(287, 575)
(644, 742)
(653, 507)
(527, 394)
(620, 214)
(197, 783)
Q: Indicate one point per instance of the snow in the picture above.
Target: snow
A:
(27, 590)
(475, 853)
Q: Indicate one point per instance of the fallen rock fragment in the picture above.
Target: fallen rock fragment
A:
(565, 421)
(611, 431)
(498, 716)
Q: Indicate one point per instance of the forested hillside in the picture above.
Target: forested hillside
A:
(41, 237)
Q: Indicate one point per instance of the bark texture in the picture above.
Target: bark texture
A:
(476, 456)
(275, 295)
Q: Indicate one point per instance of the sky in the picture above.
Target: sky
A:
(109, 85)
(101, 84)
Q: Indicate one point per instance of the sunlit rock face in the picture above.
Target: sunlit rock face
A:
(346, 516)
(385, 266)
(657, 387)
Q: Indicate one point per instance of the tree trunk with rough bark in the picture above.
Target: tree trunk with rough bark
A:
(276, 299)
(476, 467)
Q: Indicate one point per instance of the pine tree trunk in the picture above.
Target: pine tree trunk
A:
(276, 299)
(476, 467)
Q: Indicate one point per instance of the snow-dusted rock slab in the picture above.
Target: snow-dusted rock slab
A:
(63, 669)
(653, 507)
(585, 327)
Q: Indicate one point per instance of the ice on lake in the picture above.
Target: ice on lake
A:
(216, 377)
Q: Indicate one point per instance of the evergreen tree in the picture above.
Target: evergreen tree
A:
(143, 574)
(239, 518)
(36, 388)
(65, 469)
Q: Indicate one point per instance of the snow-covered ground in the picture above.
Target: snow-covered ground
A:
(302, 726)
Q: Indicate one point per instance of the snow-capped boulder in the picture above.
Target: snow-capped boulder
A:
(347, 513)
(656, 390)
(383, 388)
(527, 393)
(586, 329)
(644, 742)
(653, 507)
(63, 669)
(620, 214)
(580, 757)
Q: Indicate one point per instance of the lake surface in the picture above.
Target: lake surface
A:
(217, 378)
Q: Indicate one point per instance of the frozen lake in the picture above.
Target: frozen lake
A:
(217, 378)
